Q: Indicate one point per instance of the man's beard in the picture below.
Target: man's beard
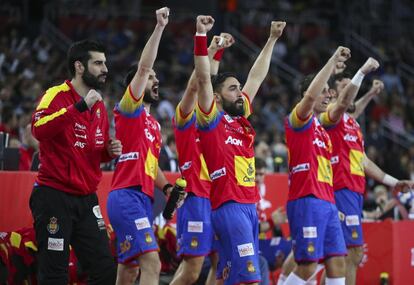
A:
(232, 108)
(92, 81)
(148, 97)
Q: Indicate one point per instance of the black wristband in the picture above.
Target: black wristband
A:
(81, 105)
(165, 188)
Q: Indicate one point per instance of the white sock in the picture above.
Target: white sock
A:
(281, 280)
(293, 279)
(335, 281)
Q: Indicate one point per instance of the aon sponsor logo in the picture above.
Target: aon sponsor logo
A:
(319, 143)
(234, 141)
(350, 138)
(150, 137)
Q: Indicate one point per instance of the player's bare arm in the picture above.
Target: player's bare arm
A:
(202, 63)
(217, 45)
(372, 170)
(261, 66)
(149, 53)
(216, 49)
(305, 107)
(360, 105)
(348, 94)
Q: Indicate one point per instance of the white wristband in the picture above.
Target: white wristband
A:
(389, 180)
(357, 79)
(201, 34)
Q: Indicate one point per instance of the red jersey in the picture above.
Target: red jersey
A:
(140, 135)
(190, 159)
(228, 145)
(348, 155)
(71, 143)
(310, 150)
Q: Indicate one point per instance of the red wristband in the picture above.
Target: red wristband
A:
(200, 45)
(271, 223)
(219, 54)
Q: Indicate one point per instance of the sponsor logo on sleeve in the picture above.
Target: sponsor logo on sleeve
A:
(185, 166)
(310, 232)
(195, 227)
(218, 173)
(300, 167)
(55, 244)
(352, 220)
(128, 156)
(245, 249)
(142, 223)
(334, 159)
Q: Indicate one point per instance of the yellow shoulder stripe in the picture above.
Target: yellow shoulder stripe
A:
(50, 117)
(51, 94)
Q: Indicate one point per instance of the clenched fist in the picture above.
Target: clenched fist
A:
(276, 29)
(92, 97)
(377, 86)
(225, 40)
(369, 66)
(162, 16)
(204, 24)
(114, 147)
(341, 54)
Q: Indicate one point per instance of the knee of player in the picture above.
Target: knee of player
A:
(356, 254)
(150, 263)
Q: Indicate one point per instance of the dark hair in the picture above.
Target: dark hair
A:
(130, 74)
(218, 80)
(305, 83)
(79, 51)
(259, 163)
(338, 77)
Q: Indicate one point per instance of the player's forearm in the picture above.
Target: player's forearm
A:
(318, 83)
(202, 72)
(149, 53)
(362, 103)
(187, 103)
(214, 64)
(261, 66)
(345, 99)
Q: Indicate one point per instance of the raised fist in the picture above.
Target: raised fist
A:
(162, 16)
(377, 86)
(276, 29)
(225, 40)
(339, 67)
(404, 186)
(369, 66)
(92, 97)
(204, 24)
(341, 54)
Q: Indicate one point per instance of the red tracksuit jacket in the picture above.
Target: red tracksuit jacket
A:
(72, 143)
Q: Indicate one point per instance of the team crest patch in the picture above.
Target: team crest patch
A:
(194, 242)
(354, 234)
(125, 245)
(311, 248)
(250, 267)
(226, 272)
(148, 238)
(98, 113)
(53, 226)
